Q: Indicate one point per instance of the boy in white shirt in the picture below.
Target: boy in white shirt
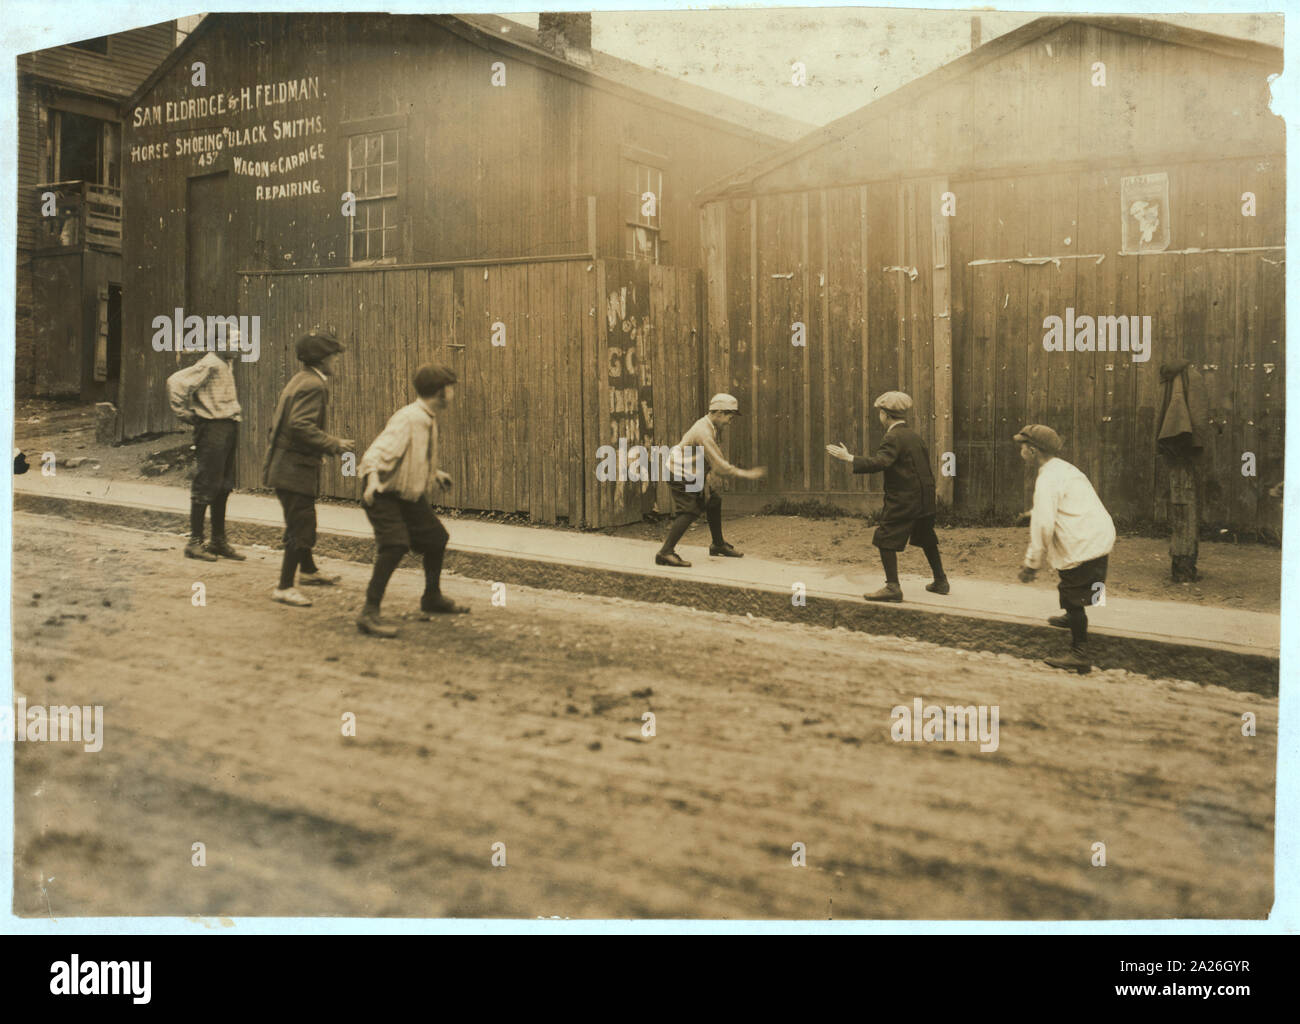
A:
(1071, 528)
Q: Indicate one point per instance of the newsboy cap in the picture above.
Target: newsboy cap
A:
(432, 378)
(316, 344)
(1043, 438)
(723, 402)
(895, 402)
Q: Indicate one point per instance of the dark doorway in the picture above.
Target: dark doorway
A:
(209, 248)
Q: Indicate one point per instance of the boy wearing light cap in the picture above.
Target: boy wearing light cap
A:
(701, 441)
(400, 472)
(292, 467)
(1071, 527)
(907, 514)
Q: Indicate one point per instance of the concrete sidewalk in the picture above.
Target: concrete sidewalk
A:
(590, 562)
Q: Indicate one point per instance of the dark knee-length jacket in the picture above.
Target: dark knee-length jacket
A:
(909, 480)
(298, 438)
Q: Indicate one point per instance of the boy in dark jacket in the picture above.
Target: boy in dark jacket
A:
(908, 511)
(298, 441)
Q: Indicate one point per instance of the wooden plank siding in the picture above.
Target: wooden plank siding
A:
(1034, 154)
(92, 84)
(523, 432)
(498, 174)
(1223, 311)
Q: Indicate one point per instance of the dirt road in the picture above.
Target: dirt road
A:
(522, 725)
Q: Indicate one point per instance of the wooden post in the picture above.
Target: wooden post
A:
(591, 227)
(942, 359)
(804, 309)
(716, 366)
(1184, 520)
(753, 327)
(866, 333)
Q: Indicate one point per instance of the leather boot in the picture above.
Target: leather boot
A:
(1059, 621)
(195, 549)
(889, 592)
(221, 547)
(1076, 661)
(672, 558)
(438, 604)
(368, 622)
(938, 586)
(725, 550)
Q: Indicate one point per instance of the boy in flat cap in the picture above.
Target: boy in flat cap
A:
(909, 506)
(293, 457)
(684, 463)
(400, 472)
(203, 395)
(1071, 526)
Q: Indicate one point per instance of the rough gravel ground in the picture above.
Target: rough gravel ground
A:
(522, 725)
(1246, 575)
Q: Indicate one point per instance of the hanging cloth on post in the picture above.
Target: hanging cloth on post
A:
(1183, 411)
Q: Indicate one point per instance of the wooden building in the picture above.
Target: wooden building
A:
(69, 281)
(924, 240)
(499, 177)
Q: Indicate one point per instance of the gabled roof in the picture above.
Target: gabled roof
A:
(1163, 31)
(641, 79)
(651, 88)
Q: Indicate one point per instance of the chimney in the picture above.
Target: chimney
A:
(567, 35)
(974, 33)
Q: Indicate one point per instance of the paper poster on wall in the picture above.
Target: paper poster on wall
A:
(1144, 207)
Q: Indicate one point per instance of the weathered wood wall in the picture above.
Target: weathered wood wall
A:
(829, 260)
(484, 171)
(1017, 108)
(530, 415)
(83, 82)
(66, 293)
(1224, 312)
(847, 237)
(651, 386)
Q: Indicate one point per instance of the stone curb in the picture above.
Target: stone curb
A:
(1255, 673)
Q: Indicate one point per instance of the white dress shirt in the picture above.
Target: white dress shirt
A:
(1069, 523)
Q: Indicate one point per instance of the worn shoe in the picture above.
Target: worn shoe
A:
(1075, 661)
(219, 546)
(1059, 621)
(672, 558)
(725, 551)
(318, 579)
(938, 586)
(889, 592)
(440, 605)
(369, 622)
(290, 596)
(195, 549)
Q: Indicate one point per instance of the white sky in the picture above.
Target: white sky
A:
(853, 55)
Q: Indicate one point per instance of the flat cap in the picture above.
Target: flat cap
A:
(895, 402)
(723, 402)
(316, 344)
(1043, 438)
(432, 378)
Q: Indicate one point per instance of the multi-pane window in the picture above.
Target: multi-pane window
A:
(372, 178)
(643, 194)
